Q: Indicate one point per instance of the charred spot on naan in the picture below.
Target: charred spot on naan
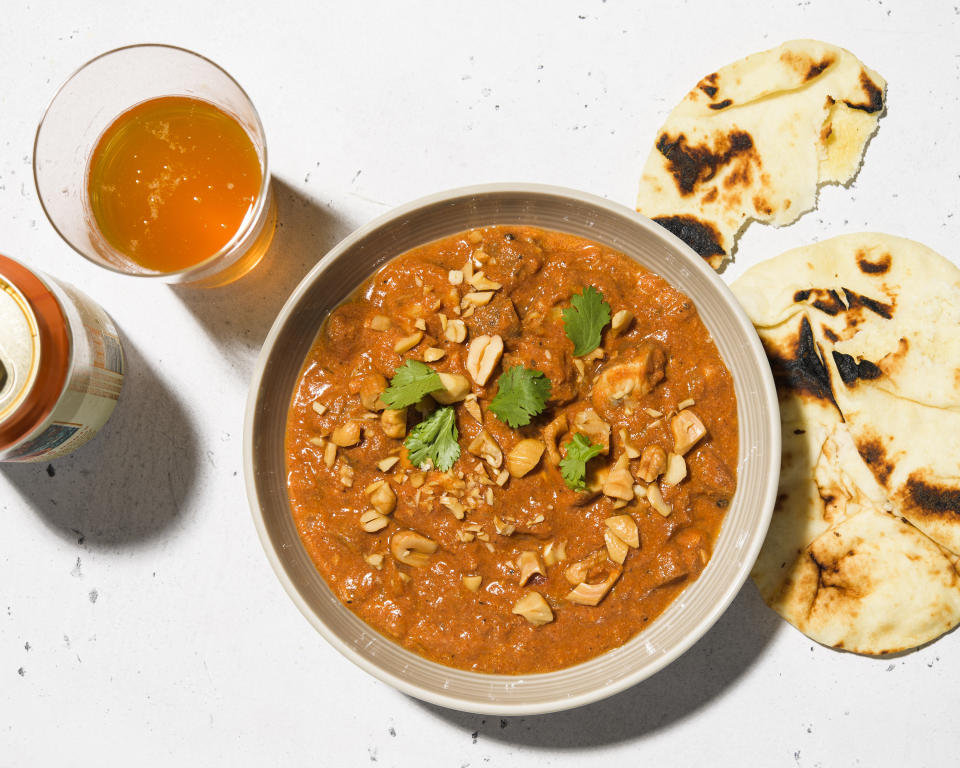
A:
(874, 94)
(852, 370)
(856, 300)
(694, 164)
(722, 104)
(709, 85)
(825, 299)
(799, 367)
(815, 70)
(892, 362)
(805, 66)
(869, 267)
(702, 236)
(930, 499)
(872, 451)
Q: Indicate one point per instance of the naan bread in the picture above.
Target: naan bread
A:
(863, 334)
(754, 140)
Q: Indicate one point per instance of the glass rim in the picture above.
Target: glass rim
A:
(245, 228)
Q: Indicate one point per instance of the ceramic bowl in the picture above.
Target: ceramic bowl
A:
(332, 280)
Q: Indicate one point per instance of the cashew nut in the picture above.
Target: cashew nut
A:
(371, 387)
(534, 609)
(592, 594)
(524, 456)
(394, 422)
(482, 357)
(484, 446)
(619, 482)
(626, 529)
(455, 388)
(687, 430)
(653, 463)
(529, 564)
(412, 548)
(346, 434)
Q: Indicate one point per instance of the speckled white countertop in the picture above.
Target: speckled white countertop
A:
(139, 621)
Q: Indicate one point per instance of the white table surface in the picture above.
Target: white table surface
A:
(139, 621)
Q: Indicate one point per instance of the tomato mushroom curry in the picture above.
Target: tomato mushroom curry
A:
(511, 449)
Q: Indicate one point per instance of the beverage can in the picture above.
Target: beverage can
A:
(61, 365)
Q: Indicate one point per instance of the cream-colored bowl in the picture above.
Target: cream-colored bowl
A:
(333, 279)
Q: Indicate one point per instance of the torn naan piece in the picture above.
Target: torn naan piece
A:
(755, 139)
(863, 336)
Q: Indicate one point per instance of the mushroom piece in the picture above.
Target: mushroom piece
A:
(524, 456)
(653, 463)
(687, 429)
(455, 388)
(394, 422)
(482, 357)
(619, 482)
(593, 427)
(412, 548)
(534, 609)
(346, 434)
(592, 594)
(371, 387)
(625, 527)
(529, 564)
(484, 446)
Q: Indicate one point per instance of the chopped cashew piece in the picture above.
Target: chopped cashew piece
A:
(652, 413)
(529, 564)
(482, 357)
(455, 276)
(394, 422)
(455, 388)
(620, 322)
(412, 548)
(687, 430)
(593, 427)
(372, 521)
(319, 408)
(619, 482)
(454, 506)
(432, 354)
(685, 403)
(676, 470)
(472, 582)
(346, 434)
(486, 448)
(408, 342)
(626, 529)
(617, 548)
(656, 500)
(371, 387)
(473, 407)
(385, 465)
(476, 298)
(456, 331)
(380, 323)
(577, 573)
(502, 527)
(383, 499)
(524, 456)
(534, 609)
(330, 455)
(376, 560)
(653, 463)
(554, 553)
(629, 448)
(592, 594)
(551, 433)
(420, 323)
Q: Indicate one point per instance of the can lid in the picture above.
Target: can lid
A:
(19, 348)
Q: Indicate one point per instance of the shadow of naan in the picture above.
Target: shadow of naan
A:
(698, 677)
(130, 482)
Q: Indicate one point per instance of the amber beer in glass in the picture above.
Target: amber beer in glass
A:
(151, 160)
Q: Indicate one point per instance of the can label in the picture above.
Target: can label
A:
(93, 381)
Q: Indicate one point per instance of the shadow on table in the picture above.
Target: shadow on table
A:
(698, 677)
(238, 316)
(130, 482)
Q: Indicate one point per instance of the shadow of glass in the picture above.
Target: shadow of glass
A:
(130, 482)
(698, 677)
(239, 315)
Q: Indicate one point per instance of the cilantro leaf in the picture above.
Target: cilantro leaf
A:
(585, 319)
(435, 438)
(410, 383)
(521, 394)
(573, 466)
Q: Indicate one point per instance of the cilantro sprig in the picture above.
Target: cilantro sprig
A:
(411, 382)
(585, 319)
(521, 394)
(573, 466)
(435, 439)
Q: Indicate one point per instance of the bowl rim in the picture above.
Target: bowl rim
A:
(749, 552)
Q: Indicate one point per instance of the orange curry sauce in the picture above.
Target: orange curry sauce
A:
(171, 181)
(428, 609)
